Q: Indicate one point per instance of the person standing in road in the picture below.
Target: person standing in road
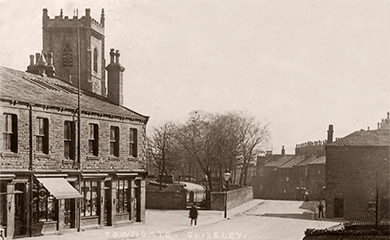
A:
(320, 210)
(193, 214)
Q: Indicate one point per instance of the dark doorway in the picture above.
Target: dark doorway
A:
(339, 207)
(20, 209)
(138, 200)
(69, 213)
(107, 204)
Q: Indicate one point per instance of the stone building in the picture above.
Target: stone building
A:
(356, 167)
(52, 179)
(289, 177)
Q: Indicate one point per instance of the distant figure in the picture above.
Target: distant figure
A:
(193, 214)
(306, 196)
(320, 210)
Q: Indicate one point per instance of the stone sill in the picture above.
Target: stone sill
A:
(133, 159)
(10, 154)
(89, 217)
(92, 158)
(41, 155)
(113, 158)
(68, 161)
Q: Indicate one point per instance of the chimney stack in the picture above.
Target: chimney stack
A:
(330, 134)
(115, 79)
(283, 151)
(41, 67)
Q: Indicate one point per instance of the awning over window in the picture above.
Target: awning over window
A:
(60, 188)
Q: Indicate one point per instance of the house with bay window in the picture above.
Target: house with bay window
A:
(71, 158)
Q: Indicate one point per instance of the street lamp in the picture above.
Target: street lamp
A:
(226, 175)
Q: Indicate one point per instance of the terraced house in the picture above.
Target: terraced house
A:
(61, 171)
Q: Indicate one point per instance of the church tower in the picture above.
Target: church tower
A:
(60, 38)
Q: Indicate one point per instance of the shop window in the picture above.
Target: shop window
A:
(89, 204)
(93, 139)
(122, 196)
(69, 140)
(44, 204)
(114, 141)
(10, 133)
(42, 135)
(133, 142)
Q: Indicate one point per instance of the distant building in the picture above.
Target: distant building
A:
(289, 177)
(46, 186)
(356, 166)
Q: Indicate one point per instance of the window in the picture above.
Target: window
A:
(42, 135)
(89, 204)
(44, 204)
(93, 139)
(10, 134)
(114, 141)
(122, 195)
(67, 57)
(69, 140)
(95, 60)
(133, 142)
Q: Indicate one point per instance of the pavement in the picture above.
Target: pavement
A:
(158, 223)
(244, 222)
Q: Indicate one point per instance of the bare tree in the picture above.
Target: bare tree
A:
(251, 136)
(198, 139)
(163, 149)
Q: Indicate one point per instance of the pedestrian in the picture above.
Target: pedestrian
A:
(306, 196)
(320, 210)
(193, 214)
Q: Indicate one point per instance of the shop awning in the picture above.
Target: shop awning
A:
(126, 175)
(60, 188)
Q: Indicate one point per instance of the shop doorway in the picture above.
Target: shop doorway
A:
(107, 204)
(339, 207)
(20, 209)
(70, 213)
(138, 200)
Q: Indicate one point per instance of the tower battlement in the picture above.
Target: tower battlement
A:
(62, 21)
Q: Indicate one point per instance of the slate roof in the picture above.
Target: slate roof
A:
(306, 161)
(278, 160)
(380, 137)
(320, 160)
(50, 91)
(293, 162)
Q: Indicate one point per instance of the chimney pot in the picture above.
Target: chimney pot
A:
(112, 54)
(117, 54)
(37, 58)
(330, 134)
(31, 59)
(87, 12)
(50, 59)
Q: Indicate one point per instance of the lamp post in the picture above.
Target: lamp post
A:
(226, 175)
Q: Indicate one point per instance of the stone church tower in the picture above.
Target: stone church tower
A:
(60, 38)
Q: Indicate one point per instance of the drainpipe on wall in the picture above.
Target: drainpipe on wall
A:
(30, 167)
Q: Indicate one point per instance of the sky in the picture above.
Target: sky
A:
(296, 65)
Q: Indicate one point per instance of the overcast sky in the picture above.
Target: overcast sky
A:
(296, 65)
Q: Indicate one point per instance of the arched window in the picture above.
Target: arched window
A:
(95, 60)
(67, 57)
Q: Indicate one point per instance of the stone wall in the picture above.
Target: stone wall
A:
(235, 198)
(352, 175)
(55, 160)
(156, 199)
